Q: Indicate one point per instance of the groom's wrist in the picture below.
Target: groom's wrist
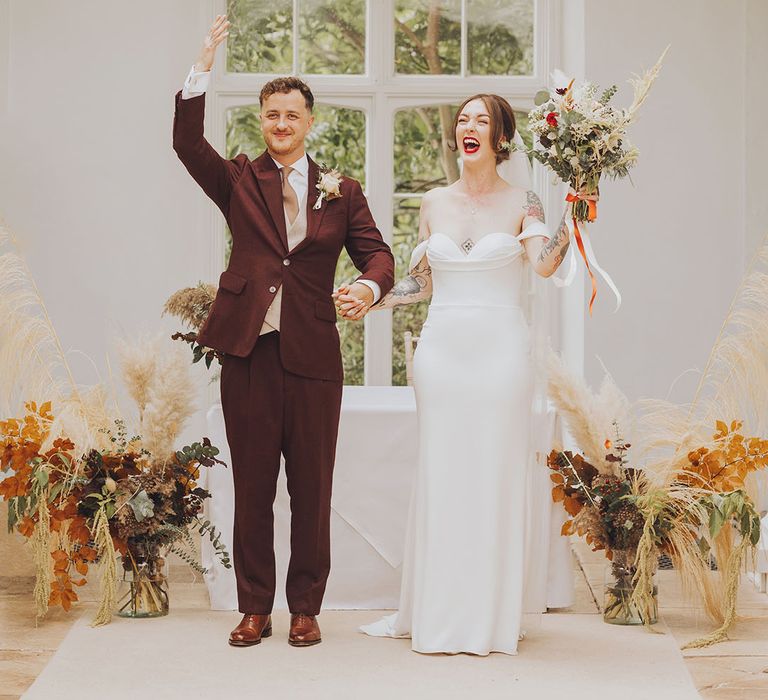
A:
(374, 287)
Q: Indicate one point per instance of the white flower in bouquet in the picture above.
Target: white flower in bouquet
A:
(580, 137)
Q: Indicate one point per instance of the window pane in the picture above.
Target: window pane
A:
(336, 140)
(500, 37)
(410, 317)
(423, 159)
(428, 36)
(332, 36)
(261, 36)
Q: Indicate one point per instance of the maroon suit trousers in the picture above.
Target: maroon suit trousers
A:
(269, 411)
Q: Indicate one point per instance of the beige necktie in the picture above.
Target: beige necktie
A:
(290, 200)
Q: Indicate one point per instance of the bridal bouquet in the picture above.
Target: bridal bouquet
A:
(581, 137)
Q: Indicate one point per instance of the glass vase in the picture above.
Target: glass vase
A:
(618, 607)
(145, 582)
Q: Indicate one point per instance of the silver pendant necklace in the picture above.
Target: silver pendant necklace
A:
(474, 203)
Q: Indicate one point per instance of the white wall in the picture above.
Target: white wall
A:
(675, 243)
(5, 8)
(756, 133)
(107, 217)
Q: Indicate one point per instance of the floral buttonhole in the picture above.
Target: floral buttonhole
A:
(329, 184)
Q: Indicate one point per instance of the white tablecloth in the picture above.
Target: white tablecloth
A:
(375, 461)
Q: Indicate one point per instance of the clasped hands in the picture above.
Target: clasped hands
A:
(353, 301)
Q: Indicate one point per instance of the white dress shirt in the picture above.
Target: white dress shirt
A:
(196, 84)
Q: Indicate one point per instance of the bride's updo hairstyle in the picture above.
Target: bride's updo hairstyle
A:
(502, 123)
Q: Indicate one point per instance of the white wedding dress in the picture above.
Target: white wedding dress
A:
(464, 570)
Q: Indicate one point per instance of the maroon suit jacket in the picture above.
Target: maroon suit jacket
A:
(249, 194)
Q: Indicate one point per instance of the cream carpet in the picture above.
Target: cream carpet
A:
(185, 655)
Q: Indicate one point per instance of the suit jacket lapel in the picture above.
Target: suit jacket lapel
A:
(314, 216)
(268, 177)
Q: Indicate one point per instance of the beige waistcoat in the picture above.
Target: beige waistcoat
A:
(297, 232)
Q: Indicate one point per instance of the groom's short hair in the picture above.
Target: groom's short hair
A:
(286, 85)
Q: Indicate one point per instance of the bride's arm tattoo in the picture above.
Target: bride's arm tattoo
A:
(554, 250)
(533, 206)
(414, 288)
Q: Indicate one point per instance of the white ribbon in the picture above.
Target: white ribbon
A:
(594, 265)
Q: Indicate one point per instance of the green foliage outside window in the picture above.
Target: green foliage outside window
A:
(428, 36)
(500, 37)
(261, 36)
(410, 317)
(331, 36)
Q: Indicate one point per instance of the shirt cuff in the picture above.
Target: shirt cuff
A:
(374, 287)
(195, 84)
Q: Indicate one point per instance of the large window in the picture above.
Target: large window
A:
(387, 77)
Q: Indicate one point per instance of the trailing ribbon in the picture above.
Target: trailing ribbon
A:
(585, 248)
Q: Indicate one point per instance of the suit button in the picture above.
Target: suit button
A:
(273, 289)
(286, 262)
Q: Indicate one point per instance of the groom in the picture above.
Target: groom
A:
(274, 320)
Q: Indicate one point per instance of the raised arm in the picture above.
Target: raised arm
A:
(545, 253)
(215, 174)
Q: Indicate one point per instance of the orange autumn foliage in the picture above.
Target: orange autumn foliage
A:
(79, 531)
(724, 467)
(20, 442)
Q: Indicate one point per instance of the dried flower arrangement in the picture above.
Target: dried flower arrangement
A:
(692, 478)
(77, 486)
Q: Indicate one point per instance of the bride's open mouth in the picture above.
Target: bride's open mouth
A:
(471, 145)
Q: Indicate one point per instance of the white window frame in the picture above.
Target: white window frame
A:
(380, 92)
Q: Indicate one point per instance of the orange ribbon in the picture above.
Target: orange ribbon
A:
(591, 216)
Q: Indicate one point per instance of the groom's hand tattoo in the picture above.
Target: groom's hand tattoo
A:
(533, 206)
(558, 244)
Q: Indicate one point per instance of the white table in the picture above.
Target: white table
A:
(375, 462)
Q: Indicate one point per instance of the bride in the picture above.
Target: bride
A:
(463, 572)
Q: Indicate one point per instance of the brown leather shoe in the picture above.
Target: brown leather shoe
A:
(305, 632)
(251, 630)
